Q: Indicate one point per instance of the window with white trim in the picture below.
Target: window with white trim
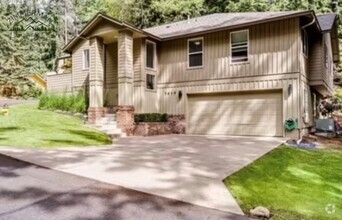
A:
(239, 46)
(195, 52)
(150, 54)
(305, 41)
(85, 58)
(150, 81)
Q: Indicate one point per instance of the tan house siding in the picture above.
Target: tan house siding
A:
(316, 58)
(111, 75)
(273, 65)
(80, 76)
(59, 83)
(170, 102)
(273, 49)
(328, 69)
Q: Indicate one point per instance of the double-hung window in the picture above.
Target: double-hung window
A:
(150, 54)
(239, 46)
(195, 52)
(150, 81)
(86, 59)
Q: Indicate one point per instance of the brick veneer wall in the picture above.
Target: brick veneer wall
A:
(125, 119)
(177, 124)
(94, 114)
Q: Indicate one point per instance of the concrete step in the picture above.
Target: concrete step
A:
(103, 120)
(109, 123)
(110, 130)
(109, 115)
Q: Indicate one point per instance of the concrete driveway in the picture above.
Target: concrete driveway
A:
(186, 168)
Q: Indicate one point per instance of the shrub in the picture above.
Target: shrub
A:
(65, 102)
(151, 117)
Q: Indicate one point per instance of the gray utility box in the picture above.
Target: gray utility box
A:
(325, 125)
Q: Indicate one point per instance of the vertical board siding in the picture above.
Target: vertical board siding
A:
(80, 77)
(171, 103)
(59, 83)
(137, 59)
(269, 48)
(111, 75)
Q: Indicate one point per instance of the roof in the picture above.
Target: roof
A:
(97, 18)
(218, 21)
(326, 21)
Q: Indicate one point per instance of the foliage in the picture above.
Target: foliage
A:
(151, 117)
(28, 127)
(331, 104)
(64, 102)
(292, 183)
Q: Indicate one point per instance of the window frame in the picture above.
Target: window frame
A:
(231, 50)
(305, 42)
(202, 52)
(154, 83)
(154, 54)
(84, 67)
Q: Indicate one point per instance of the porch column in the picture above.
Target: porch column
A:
(125, 109)
(96, 76)
(125, 68)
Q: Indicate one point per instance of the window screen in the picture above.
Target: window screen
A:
(239, 46)
(85, 59)
(150, 81)
(195, 52)
(150, 55)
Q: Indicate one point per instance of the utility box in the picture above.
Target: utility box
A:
(325, 125)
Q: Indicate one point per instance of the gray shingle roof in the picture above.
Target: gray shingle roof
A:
(326, 21)
(215, 21)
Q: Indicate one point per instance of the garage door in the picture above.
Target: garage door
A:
(239, 114)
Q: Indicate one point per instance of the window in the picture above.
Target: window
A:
(195, 52)
(305, 43)
(86, 59)
(150, 81)
(150, 53)
(239, 46)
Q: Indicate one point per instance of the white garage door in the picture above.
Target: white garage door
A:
(239, 114)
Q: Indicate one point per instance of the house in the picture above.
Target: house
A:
(224, 74)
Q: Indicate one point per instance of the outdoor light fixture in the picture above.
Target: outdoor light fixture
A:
(289, 89)
(197, 43)
(180, 94)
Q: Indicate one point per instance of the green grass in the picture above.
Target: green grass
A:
(26, 126)
(292, 183)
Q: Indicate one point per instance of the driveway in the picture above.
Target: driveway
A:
(186, 168)
(32, 192)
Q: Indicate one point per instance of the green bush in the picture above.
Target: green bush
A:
(151, 117)
(65, 102)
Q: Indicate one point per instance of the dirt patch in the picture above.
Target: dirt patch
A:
(334, 143)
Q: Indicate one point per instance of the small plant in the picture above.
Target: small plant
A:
(74, 102)
(151, 117)
(329, 105)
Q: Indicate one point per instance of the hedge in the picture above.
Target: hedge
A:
(151, 117)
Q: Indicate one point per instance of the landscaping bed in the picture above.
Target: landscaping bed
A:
(292, 183)
(27, 126)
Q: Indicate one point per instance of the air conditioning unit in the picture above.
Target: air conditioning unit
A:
(325, 127)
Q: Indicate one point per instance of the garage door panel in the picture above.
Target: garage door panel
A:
(243, 114)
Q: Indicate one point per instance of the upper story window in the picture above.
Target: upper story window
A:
(305, 43)
(86, 59)
(195, 52)
(150, 54)
(239, 46)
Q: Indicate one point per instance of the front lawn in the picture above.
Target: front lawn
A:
(26, 126)
(292, 183)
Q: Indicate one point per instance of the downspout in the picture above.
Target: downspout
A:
(300, 91)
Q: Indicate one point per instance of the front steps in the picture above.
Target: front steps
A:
(108, 125)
